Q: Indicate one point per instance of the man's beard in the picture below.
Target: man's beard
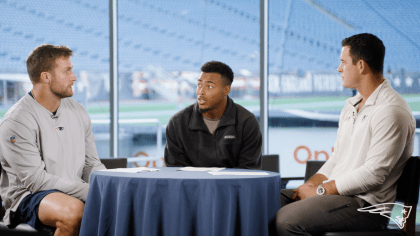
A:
(204, 110)
(211, 108)
(59, 92)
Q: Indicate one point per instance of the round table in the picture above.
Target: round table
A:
(173, 202)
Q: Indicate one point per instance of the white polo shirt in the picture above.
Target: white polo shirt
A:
(372, 146)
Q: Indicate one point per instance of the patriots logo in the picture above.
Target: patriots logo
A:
(59, 128)
(385, 209)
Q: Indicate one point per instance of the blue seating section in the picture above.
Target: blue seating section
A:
(182, 35)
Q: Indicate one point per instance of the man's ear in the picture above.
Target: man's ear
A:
(226, 90)
(45, 78)
(362, 66)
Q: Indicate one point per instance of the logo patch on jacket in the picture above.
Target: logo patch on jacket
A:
(12, 139)
(229, 136)
(59, 128)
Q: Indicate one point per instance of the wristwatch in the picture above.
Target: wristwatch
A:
(320, 190)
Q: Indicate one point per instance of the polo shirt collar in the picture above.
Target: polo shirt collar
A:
(372, 98)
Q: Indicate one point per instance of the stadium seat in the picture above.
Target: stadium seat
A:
(234, 32)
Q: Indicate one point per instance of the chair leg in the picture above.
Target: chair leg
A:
(410, 224)
(2, 211)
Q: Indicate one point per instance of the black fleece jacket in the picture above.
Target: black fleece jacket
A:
(236, 142)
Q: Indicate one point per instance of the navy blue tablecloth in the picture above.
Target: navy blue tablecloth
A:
(171, 202)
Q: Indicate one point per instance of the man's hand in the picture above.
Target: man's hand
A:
(304, 191)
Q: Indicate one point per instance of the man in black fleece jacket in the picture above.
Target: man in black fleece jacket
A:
(214, 131)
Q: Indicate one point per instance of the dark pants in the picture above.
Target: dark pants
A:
(28, 209)
(329, 213)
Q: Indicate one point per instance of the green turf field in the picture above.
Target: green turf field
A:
(323, 103)
(164, 110)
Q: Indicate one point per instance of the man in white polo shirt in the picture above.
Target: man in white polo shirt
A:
(374, 140)
(47, 149)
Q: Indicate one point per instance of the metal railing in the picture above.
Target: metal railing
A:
(139, 121)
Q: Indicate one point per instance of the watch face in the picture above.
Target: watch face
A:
(320, 191)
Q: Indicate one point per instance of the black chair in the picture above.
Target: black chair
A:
(270, 163)
(311, 168)
(113, 163)
(407, 192)
(22, 229)
(26, 230)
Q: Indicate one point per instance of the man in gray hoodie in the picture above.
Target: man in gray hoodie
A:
(47, 148)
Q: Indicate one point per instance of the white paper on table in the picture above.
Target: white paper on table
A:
(238, 173)
(190, 168)
(132, 170)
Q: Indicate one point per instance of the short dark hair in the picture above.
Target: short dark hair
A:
(220, 68)
(43, 58)
(367, 47)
